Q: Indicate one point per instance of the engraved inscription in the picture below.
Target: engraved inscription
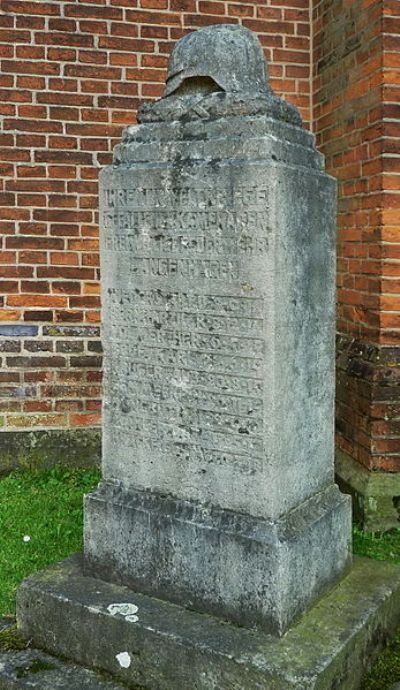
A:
(185, 361)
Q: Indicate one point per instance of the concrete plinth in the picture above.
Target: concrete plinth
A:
(252, 571)
(167, 647)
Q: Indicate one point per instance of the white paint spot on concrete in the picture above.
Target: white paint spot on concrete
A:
(122, 609)
(124, 659)
(132, 619)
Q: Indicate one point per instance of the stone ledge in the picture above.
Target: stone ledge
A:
(22, 668)
(171, 648)
(31, 669)
(41, 449)
(375, 494)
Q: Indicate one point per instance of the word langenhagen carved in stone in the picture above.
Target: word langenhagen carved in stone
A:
(217, 245)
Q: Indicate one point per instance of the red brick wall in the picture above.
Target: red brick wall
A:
(72, 75)
(390, 232)
(356, 110)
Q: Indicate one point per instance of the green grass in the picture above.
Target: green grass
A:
(386, 671)
(47, 507)
(381, 547)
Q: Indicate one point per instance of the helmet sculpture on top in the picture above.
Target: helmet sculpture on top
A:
(230, 55)
(218, 71)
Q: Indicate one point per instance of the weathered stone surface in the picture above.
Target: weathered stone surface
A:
(218, 311)
(32, 668)
(218, 271)
(171, 648)
(376, 495)
(216, 72)
(275, 567)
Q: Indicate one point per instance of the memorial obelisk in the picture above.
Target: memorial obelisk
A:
(218, 272)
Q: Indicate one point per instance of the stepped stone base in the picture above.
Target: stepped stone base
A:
(166, 647)
(247, 570)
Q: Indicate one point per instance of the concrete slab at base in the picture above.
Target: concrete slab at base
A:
(166, 647)
(31, 669)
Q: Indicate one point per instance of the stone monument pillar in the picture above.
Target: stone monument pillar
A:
(218, 272)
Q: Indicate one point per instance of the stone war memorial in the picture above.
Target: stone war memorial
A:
(217, 546)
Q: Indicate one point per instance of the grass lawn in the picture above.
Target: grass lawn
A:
(41, 523)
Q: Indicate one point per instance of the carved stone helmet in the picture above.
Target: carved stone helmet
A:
(227, 57)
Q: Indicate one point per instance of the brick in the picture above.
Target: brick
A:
(86, 11)
(86, 361)
(10, 377)
(16, 272)
(28, 300)
(27, 421)
(68, 315)
(30, 22)
(27, 257)
(77, 157)
(21, 242)
(14, 36)
(37, 406)
(62, 25)
(10, 346)
(38, 345)
(88, 419)
(64, 54)
(95, 346)
(8, 286)
(93, 57)
(73, 331)
(31, 362)
(61, 84)
(31, 171)
(92, 405)
(25, 7)
(64, 258)
(93, 72)
(35, 286)
(118, 102)
(96, 27)
(38, 315)
(34, 67)
(30, 140)
(33, 125)
(38, 376)
(75, 272)
(68, 346)
(85, 302)
(64, 230)
(57, 38)
(68, 405)
(129, 44)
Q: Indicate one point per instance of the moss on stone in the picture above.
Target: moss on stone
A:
(35, 666)
(12, 641)
(386, 670)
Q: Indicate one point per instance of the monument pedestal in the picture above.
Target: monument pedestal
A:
(169, 647)
(255, 572)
